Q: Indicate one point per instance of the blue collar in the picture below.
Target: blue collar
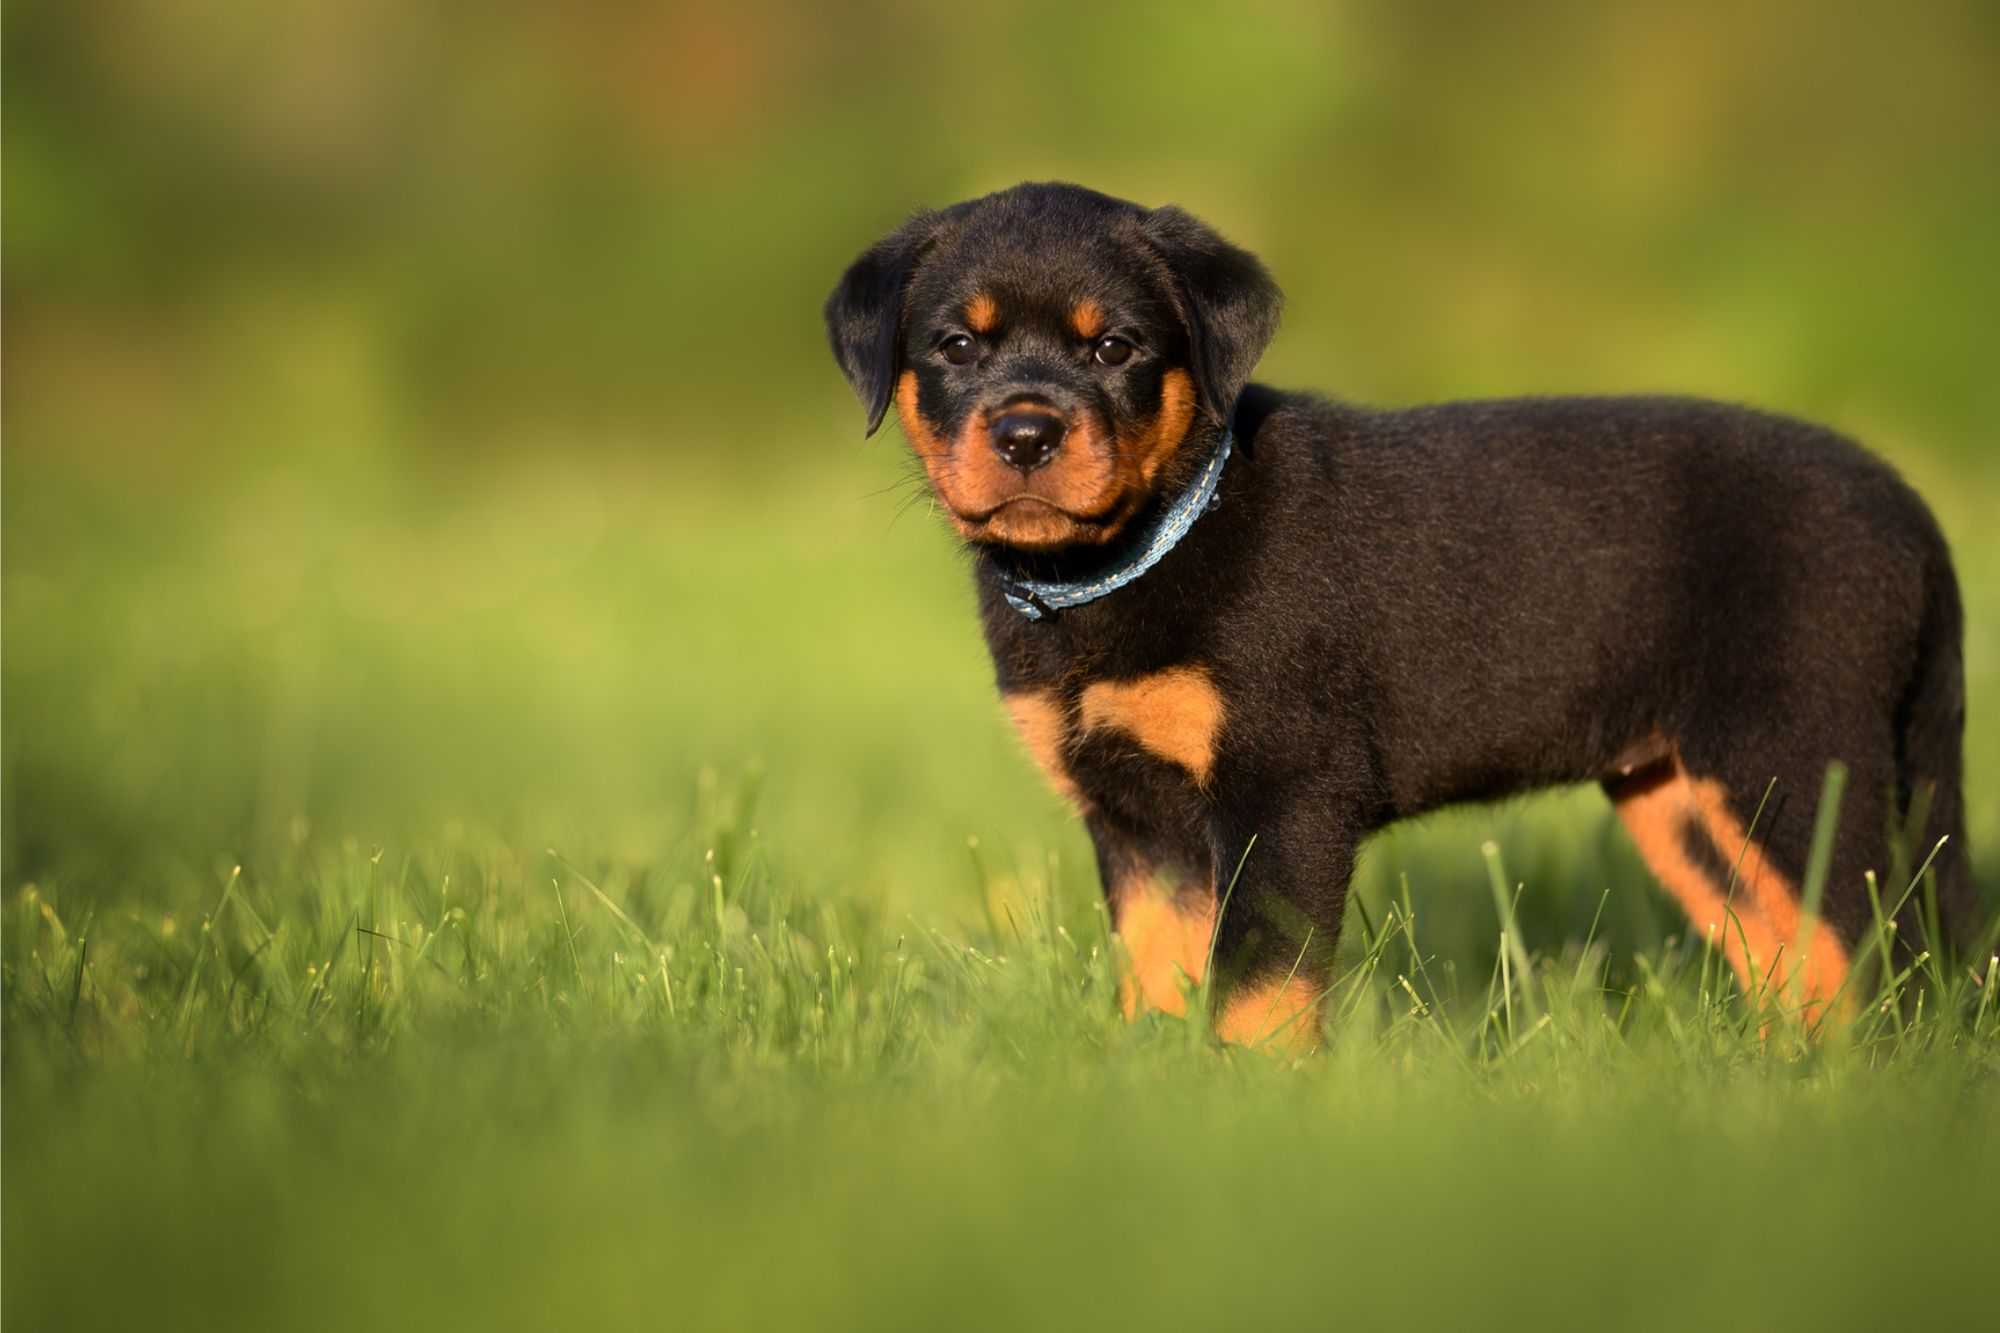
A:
(1035, 599)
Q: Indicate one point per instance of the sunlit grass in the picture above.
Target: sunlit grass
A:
(687, 1085)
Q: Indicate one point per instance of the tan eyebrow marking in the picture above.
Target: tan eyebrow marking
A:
(1086, 317)
(982, 313)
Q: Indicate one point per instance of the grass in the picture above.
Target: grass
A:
(483, 1091)
(569, 901)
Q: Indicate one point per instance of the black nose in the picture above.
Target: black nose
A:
(1027, 440)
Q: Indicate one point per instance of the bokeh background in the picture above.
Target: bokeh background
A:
(418, 418)
(421, 453)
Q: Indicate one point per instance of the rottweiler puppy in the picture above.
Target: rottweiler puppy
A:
(1241, 628)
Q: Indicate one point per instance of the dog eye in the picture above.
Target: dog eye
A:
(1112, 352)
(956, 349)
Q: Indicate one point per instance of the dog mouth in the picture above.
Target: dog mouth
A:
(1030, 522)
(1023, 503)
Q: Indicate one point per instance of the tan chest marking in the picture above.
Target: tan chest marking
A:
(1175, 715)
(1039, 718)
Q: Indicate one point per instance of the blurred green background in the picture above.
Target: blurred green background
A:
(420, 439)
(418, 416)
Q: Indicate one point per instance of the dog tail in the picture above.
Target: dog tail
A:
(1929, 757)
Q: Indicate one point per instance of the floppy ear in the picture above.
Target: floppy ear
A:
(1228, 301)
(864, 316)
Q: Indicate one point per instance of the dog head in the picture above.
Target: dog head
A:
(1057, 358)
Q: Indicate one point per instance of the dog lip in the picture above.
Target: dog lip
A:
(1020, 497)
(1100, 518)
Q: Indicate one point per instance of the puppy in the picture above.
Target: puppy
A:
(1240, 628)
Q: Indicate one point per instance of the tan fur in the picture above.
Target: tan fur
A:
(1039, 719)
(1280, 1017)
(1175, 714)
(1149, 452)
(982, 313)
(930, 446)
(1166, 937)
(976, 487)
(1094, 485)
(1757, 926)
(1777, 899)
(1086, 318)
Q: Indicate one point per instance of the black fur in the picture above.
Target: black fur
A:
(1406, 609)
(1227, 303)
(864, 314)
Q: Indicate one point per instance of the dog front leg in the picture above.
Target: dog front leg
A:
(1162, 901)
(1284, 866)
